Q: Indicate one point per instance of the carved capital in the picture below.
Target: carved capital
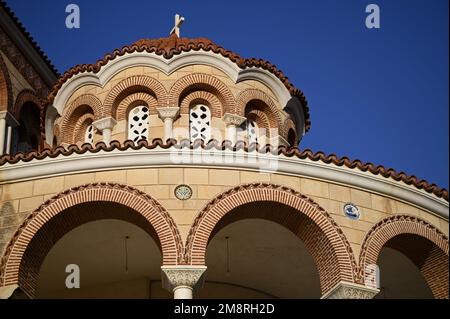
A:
(7, 291)
(105, 123)
(347, 290)
(178, 276)
(168, 112)
(232, 119)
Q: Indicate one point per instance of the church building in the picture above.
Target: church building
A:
(173, 168)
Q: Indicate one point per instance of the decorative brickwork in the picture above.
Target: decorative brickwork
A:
(171, 46)
(314, 226)
(21, 63)
(133, 100)
(24, 97)
(82, 105)
(252, 99)
(202, 82)
(6, 98)
(69, 209)
(202, 97)
(423, 243)
(261, 119)
(133, 84)
(81, 126)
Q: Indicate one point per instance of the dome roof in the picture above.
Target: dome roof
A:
(173, 45)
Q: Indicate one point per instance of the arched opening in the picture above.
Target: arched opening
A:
(258, 258)
(28, 132)
(400, 263)
(97, 215)
(115, 248)
(292, 138)
(116, 259)
(261, 216)
(412, 256)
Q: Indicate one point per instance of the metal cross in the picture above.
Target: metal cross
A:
(178, 22)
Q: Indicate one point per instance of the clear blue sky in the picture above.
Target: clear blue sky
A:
(375, 95)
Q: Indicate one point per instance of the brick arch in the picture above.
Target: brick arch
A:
(133, 100)
(202, 82)
(6, 95)
(130, 85)
(261, 119)
(24, 97)
(62, 213)
(202, 97)
(86, 103)
(266, 105)
(410, 235)
(81, 126)
(322, 236)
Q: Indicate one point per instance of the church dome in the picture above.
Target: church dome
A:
(179, 78)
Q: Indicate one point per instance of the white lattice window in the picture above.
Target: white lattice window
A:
(89, 134)
(200, 123)
(138, 123)
(252, 131)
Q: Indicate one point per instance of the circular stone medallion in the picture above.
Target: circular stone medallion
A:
(183, 192)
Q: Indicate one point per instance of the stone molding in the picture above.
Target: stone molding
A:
(233, 119)
(347, 290)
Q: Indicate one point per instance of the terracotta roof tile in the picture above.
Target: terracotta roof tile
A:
(226, 145)
(168, 47)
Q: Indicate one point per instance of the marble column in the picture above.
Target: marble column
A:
(105, 126)
(168, 115)
(2, 131)
(182, 280)
(348, 290)
(232, 122)
(7, 123)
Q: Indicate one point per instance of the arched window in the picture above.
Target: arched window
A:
(200, 123)
(89, 135)
(292, 137)
(252, 132)
(138, 122)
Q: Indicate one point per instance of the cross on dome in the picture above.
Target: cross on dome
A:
(178, 22)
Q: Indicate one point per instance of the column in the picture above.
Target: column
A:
(232, 122)
(348, 290)
(105, 125)
(168, 115)
(7, 123)
(182, 280)
(8, 139)
(2, 131)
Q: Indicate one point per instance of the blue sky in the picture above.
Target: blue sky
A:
(378, 95)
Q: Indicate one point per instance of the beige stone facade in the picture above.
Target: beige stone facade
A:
(166, 165)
